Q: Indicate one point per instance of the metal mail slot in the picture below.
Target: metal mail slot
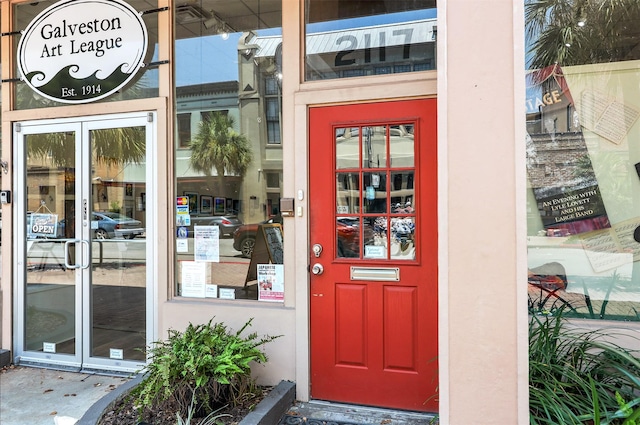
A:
(386, 274)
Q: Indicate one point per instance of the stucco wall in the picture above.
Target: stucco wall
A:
(267, 320)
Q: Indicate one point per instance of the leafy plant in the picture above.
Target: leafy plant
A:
(615, 277)
(574, 375)
(114, 207)
(211, 419)
(202, 368)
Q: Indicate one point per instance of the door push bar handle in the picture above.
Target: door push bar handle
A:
(85, 244)
(86, 257)
(67, 244)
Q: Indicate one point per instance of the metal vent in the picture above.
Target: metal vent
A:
(190, 13)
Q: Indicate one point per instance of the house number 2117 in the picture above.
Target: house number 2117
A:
(351, 45)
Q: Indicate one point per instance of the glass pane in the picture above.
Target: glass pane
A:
(352, 39)
(402, 192)
(144, 85)
(401, 145)
(375, 192)
(348, 237)
(347, 152)
(50, 286)
(347, 193)
(374, 147)
(583, 133)
(118, 283)
(228, 79)
(402, 240)
(375, 241)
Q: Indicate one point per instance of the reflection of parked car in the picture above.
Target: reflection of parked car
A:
(227, 224)
(244, 238)
(348, 230)
(109, 225)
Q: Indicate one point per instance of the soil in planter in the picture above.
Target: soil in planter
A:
(125, 412)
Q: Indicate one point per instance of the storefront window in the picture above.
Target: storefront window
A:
(583, 158)
(145, 85)
(228, 150)
(346, 38)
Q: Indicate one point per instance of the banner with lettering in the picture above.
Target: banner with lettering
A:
(560, 172)
(81, 51)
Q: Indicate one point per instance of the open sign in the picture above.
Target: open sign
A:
(43, 225)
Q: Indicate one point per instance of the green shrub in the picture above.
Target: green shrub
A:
(206, 365)
(577, 378)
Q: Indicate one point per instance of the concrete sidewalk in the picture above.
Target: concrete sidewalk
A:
(36, 396)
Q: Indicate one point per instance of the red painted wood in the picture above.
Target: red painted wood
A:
(351, 325)
(374, 343)
(400, 337)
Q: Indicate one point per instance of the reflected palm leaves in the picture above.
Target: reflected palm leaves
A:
(577, 33)
(112, 146)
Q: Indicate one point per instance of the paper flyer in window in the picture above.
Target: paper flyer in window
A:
(606, 116)
(206, 243)
(560, 171)
(270, 282)
(624, 235)
(193, 279)
(611, 248)
(603, 251)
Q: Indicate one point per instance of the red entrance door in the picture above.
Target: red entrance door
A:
(373, 217)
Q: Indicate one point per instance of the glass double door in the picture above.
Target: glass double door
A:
(83, 252)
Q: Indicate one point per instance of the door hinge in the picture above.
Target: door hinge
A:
(150, 117)
(17, 127)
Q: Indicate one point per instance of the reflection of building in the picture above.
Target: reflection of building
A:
(195, 104)
(260, 96)
(117, 187)
(254, 196)
(557, 160)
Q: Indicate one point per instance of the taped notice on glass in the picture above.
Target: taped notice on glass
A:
(193, 279)
(206, 243)
(270, 282)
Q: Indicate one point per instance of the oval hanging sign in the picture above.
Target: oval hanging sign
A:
(80, 51)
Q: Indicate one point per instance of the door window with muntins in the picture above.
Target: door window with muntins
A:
(375, 195)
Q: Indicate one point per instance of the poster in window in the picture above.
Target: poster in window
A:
(193, 201)
(561, 174)
(218, 206)
(270, 282)
(206, 204)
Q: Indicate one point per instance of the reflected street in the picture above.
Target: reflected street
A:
(49, 253)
